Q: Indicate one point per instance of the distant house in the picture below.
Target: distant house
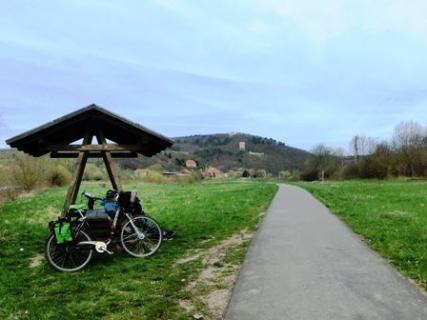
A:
(191, 164)
(212, 172)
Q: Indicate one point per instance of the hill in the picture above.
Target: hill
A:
(226, 152)
(223, 151)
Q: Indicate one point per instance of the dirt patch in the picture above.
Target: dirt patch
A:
(186, 305)
(36, 260)
(216, 253)
(217, 301)
(193, 257)
(215, 282)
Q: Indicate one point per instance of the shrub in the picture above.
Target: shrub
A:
(194, 177)
(6, 174)
(290, 176)
(126, 175)
(285, 174)
(252, 173)
(28, 172)
(261, 173)
(245, 174)
(8, 190)
(310, 175)
(93, 173)
(153, 176)
(156, 167)
(140, 173)
(234, 174)
(59, 176)
(351, 171)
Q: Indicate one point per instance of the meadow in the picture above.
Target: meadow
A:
(214, 221)
(165, 286)
(390, 215)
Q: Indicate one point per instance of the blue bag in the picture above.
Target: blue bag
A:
(110, 207)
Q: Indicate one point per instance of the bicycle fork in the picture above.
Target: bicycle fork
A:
(139, 234)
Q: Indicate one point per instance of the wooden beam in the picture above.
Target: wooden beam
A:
(111, 170)
(94, 147)
(77, 177)
(68, 155)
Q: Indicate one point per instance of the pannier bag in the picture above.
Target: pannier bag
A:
(130, 203)
(110, 207)
(61, 228)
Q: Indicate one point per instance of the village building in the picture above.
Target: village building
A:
(212, 172)
(191, 164)
(242, 145)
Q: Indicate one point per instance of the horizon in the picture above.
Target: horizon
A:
(299, 72)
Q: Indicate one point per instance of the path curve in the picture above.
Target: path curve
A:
(305, 264)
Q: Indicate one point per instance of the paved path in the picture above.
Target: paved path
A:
(304, 264)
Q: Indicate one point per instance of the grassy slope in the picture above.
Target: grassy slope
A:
(390, 215)
(120, 287)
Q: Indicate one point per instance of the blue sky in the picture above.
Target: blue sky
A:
(302, 72)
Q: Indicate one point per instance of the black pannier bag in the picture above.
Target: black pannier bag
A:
(130, 203)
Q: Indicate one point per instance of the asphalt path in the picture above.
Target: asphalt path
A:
(305, 264)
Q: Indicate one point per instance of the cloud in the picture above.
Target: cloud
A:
(298, 71)
(328, 19)
(318, 20)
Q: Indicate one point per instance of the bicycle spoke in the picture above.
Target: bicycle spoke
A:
(72, 260)
(141, 247)
(69, 257)
(129, 236)
(63, 261)
(58, 259)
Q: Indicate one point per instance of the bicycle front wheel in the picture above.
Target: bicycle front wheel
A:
(68, 257)
(141, 236)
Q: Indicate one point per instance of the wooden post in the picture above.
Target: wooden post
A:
(106, 155)
(73, 189)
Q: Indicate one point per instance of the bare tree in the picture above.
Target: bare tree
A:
(408, 142)
(361, 145)
(408, 134)
(324, 160)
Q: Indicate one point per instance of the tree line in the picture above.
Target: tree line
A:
(403, 155)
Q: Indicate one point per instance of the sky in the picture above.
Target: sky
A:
(302, 72)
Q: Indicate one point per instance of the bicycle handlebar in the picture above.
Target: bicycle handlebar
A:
(89, 196)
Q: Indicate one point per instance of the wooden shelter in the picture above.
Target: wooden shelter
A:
(59, 138)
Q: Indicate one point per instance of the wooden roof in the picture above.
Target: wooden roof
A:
(74, 126)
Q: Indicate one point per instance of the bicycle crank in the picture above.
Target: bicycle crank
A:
(100, 246)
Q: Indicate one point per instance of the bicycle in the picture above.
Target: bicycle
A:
(137, 234)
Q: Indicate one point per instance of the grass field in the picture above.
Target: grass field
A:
(122, 287)
(390, 215)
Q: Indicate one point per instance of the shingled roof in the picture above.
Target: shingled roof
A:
(73, 127)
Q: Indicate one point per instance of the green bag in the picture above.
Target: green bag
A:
(62, 230)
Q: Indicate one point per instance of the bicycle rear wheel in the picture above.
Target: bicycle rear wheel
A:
(143, 241)
(68, 257)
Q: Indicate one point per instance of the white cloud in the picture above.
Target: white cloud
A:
(319, 20)
(327, 19)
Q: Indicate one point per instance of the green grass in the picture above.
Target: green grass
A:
(390, 215)
(121, 287)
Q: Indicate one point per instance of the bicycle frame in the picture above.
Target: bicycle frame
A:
(138, 235)
(101, 246)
